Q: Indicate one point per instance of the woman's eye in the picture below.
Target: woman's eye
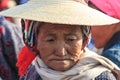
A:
(70, 39)
(50, 40)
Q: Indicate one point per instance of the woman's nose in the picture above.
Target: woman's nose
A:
(61, 50)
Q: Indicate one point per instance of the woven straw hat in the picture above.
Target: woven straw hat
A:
(59, 11)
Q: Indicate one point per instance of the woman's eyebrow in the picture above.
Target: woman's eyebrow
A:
(67, 34)
(50, 34)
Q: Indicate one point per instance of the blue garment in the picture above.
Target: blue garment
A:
(1, 18)
(112, 49)
(23, 1)
(11, 43)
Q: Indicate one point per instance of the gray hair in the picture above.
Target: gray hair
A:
(86, 31)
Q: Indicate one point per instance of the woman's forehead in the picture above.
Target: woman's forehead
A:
(59, 27)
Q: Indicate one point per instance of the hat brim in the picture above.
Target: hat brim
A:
(59, 11)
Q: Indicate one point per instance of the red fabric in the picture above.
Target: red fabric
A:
(25, 58)
(110, 7)
(3, 4)
(1, 30)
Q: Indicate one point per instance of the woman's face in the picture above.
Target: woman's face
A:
(60, 45)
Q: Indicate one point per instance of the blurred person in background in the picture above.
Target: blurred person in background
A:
(107, 38)
(11, 42)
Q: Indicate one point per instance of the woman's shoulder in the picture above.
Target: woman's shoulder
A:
(105, 76)
(31, 74)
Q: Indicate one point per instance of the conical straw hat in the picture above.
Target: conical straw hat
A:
(59, 11)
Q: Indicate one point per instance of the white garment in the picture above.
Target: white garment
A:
(86, 69)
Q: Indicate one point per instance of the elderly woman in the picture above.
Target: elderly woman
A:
(58, 33)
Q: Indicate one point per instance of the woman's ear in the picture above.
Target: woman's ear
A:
(86, 41)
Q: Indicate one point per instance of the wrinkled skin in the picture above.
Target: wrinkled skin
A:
(60, 45)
